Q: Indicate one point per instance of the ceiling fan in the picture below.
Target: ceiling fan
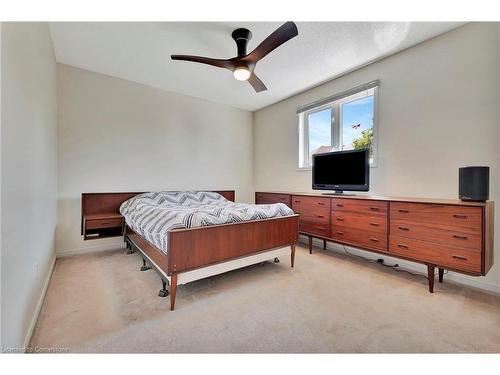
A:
(243, 65)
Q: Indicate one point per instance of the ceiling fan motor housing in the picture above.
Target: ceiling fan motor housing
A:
(241, 37)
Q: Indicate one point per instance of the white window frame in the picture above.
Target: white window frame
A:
(336, 127)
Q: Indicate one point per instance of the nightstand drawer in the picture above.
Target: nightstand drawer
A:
(103, 223)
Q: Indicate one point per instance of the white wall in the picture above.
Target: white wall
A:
(116, 135)
(28, 174)
(438, 111)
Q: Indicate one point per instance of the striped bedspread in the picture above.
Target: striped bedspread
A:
(153, 214)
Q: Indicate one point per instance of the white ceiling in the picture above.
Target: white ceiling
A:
(141, 52)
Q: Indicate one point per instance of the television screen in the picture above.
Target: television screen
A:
(341, 170)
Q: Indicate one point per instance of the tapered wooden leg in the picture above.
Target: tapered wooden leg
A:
(430, 275)
(441, 273)
(310, 245)
(292, 256)
(173, 289)
(324, 244)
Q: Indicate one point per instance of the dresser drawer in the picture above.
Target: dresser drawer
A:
(362, 238)
(363, 206)
(322, 230)
(432, 234)
(313, 214)
(466, 219)
(103, 223)
(301, 203)
(441, 255)
(270, 198)
(371, 223)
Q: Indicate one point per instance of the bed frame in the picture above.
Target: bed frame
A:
(196, 253)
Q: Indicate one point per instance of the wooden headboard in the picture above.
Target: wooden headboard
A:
(107, 203)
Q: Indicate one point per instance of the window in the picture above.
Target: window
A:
(320, 131)
(346, 122)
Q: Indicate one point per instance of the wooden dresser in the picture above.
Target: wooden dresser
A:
(443, 234)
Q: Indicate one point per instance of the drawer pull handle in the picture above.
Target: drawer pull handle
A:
(340, 205)
(320, 216)
(459, 257)
(402, 246)
(340, 219)
(374, 239)
(374, 208)
(297, 201)
(457, 216)
(460, 237)
(321, 203)
(404, 211)
(374, 224)
(341, 233)
(404, 228)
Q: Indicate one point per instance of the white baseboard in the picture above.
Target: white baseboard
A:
(39, 305)
(90, 250)
(476, 282)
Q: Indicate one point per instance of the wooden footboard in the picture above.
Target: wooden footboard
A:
(203, 246)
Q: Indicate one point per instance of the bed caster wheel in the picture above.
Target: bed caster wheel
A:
(130, 248)
(276, 260)
(144, 266)
(163, 291)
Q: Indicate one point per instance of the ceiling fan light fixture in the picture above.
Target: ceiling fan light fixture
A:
(241, 73)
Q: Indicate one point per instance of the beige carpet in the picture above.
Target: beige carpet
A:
(329, 303)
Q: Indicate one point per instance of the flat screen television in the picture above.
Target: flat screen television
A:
(341, 170)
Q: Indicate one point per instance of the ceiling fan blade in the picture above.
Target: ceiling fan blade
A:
(256, 83)
(228, 64)
(281, 35)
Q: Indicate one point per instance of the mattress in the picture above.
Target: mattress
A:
(154, 214)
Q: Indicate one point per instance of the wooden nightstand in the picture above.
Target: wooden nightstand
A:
(101, 216)
(102, 225)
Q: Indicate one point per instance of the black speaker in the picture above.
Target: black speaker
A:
(474, 183)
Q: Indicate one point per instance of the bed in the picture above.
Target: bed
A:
(190, 235)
